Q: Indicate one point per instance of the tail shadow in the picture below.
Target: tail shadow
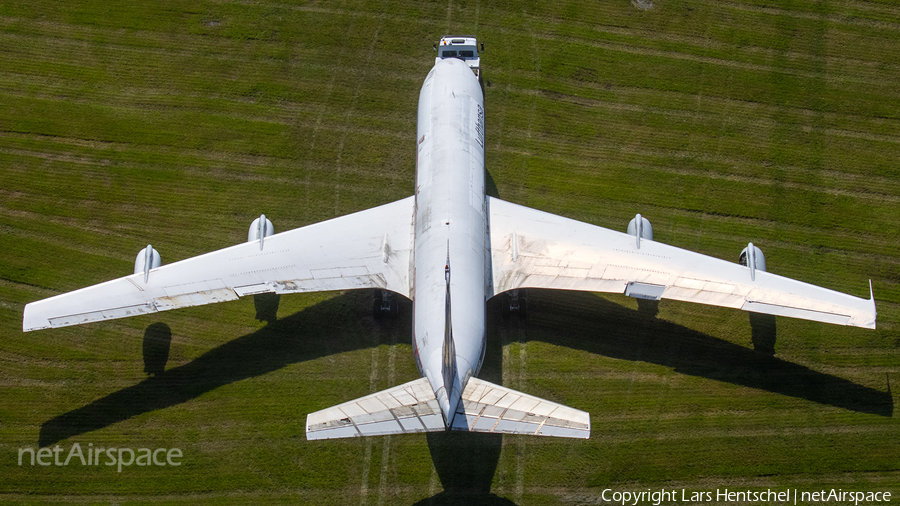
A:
(297, 338)
(586, 322)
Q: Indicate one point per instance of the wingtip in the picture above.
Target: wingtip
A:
(874, 309)
(27, 323)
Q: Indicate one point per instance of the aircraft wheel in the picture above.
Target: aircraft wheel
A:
(376, 308)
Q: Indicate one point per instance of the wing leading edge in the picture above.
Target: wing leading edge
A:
(534, 249)
(368, 249)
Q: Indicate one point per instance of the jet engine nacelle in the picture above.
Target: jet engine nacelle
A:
(260, 229)
(753, 257)
(640, 228)
(146, 259)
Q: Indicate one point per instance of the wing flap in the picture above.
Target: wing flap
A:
(368, 249)
(486, 407)
(408, 408)
(120, 312)
(534, 249)
(759, 307)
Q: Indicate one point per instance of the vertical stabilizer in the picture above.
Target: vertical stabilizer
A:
(449, 363)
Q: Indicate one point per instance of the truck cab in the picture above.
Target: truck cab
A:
(463, 47)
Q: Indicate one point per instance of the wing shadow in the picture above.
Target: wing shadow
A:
(296, 338)
(573, 319)
(583, 321)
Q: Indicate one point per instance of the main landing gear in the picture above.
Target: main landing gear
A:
(385, 303)
(518, 303)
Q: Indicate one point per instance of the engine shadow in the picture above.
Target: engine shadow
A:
(266, 305)
(318, 331)
(586, 322)
(157, 340)
(763, 332)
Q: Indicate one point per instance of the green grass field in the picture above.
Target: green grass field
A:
(177, 123)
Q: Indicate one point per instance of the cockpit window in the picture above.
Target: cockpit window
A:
(462, 54)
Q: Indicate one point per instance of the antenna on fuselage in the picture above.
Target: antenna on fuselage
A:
(447, 269)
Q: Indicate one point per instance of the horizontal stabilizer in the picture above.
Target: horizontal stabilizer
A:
(487, 407)
(411, 407)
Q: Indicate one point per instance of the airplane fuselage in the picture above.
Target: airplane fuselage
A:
(450, 224)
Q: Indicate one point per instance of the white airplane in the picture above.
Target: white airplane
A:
(450, 248)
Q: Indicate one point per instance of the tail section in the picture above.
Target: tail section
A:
(414, 407)
(411, 407)
(487, 407)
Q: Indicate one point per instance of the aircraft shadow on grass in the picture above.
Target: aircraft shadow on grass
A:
(157, 341)
(583, 321)
(466, 463)
(307, 335)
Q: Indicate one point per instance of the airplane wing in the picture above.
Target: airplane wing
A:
(368, 249)
(534, 249)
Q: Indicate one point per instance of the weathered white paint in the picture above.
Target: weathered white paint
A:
(450, 169)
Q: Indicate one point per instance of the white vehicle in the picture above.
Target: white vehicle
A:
(461, 47)
(450, 248)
